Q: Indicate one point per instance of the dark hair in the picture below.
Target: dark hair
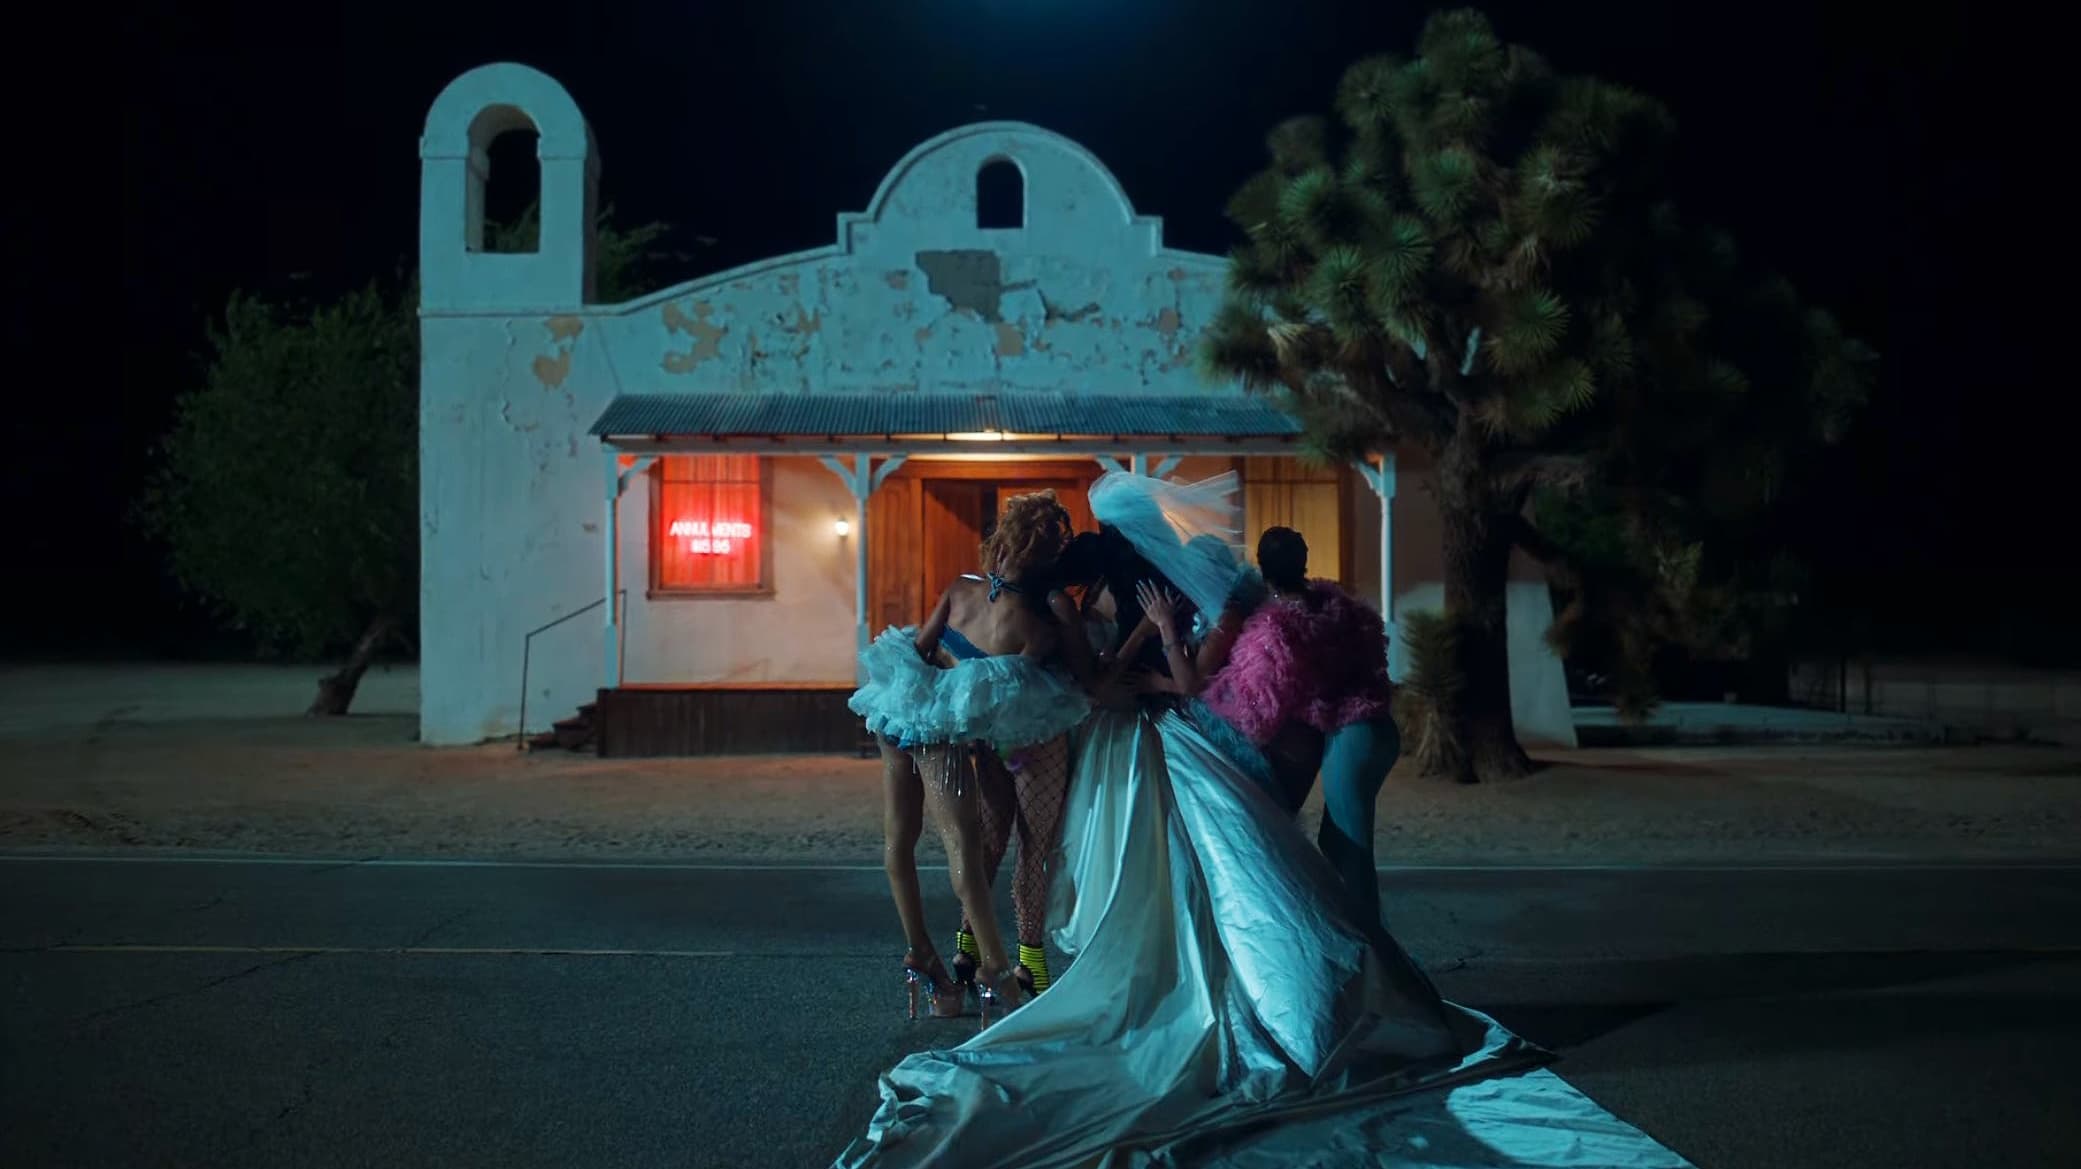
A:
(1122, 568)
(1082, 561)
(1282, 556)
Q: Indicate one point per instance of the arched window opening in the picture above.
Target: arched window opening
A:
(1000, 195)
(513, 192)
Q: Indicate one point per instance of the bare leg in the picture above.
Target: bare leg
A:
(999, 808)
(1043, 787)
(957, 811)
(903, 809)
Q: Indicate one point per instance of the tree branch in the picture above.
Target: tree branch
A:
(1536, 543)
(1518, 472)
(1407, 413)
(1560, 569)
(1373, 405)
(1418, 412)
(1444, 374)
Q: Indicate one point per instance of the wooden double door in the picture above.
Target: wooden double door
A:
(927, 522)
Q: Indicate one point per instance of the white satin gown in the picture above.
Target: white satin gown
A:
(1222, 1011)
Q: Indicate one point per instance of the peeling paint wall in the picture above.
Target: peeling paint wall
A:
(913, 297)
(514, 515)
(816, 326)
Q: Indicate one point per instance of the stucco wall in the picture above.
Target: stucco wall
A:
(803, 633)
(912, 297)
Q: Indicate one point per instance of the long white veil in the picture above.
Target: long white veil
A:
(1191, 532)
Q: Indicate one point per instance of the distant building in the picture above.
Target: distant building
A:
(766, 465)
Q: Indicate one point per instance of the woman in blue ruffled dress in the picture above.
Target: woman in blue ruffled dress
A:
(995, 667)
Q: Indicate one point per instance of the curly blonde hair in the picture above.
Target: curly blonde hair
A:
(1032, 531)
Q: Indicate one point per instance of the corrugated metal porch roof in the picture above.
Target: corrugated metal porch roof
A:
(888, 415)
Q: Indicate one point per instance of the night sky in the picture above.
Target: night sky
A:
(1880, 165)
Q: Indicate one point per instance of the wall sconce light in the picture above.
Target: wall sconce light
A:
(841, 528)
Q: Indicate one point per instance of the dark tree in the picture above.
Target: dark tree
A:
(288, 490)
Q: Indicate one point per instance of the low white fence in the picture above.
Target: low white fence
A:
(2004, 702)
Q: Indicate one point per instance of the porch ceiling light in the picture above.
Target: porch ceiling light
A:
(978, 436)
(841, 528)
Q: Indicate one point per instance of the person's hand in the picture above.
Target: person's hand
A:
(1162, 607)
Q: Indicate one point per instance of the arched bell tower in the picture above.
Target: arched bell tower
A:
(455, 272)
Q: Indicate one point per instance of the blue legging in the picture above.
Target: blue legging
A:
(1355, 761)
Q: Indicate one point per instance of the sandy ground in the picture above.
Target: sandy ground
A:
(216, 758)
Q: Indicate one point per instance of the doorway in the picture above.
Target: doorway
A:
(927, 522)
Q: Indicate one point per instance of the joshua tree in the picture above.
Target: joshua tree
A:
(1480, 260)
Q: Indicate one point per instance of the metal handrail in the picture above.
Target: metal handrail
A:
(527, 648)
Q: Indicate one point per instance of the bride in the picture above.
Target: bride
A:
(1222, 1008)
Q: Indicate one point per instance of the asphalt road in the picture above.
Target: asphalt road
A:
(230, 1013)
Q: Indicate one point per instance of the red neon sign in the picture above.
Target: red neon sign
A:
(710, 539)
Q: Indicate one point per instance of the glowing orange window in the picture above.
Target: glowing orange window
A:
(708, 531)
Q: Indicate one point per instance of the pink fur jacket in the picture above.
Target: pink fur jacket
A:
(1324, 665)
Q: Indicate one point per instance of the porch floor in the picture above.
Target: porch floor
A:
(652, 719)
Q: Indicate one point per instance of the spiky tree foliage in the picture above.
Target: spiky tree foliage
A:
(1424, 700)
(1478, 260)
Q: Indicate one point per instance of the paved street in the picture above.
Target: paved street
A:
(230, 1013)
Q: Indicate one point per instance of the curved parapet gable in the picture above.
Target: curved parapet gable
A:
(1074, 293)
(1072, 204)
(456, 274)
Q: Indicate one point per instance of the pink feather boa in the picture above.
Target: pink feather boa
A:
(1324, 665)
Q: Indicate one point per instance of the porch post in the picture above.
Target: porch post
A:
(617, 482)
(1381, 479)
(1141, 464)
(863, 486)
(611, 566)
(862, 478)
(1387, 538)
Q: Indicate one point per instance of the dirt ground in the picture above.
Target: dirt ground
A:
(217, 758)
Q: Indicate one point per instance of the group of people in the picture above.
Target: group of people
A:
(1146, 713)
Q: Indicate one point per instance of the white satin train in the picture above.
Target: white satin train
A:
(1223, 1012)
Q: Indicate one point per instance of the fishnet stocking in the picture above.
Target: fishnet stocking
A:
(1041, 779)
(1031, 800)
(999, 810)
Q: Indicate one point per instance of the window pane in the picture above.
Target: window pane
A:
(710, 520)
(711, 468)
(1285, 492)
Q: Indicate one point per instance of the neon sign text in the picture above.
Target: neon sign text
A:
(710, 539)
